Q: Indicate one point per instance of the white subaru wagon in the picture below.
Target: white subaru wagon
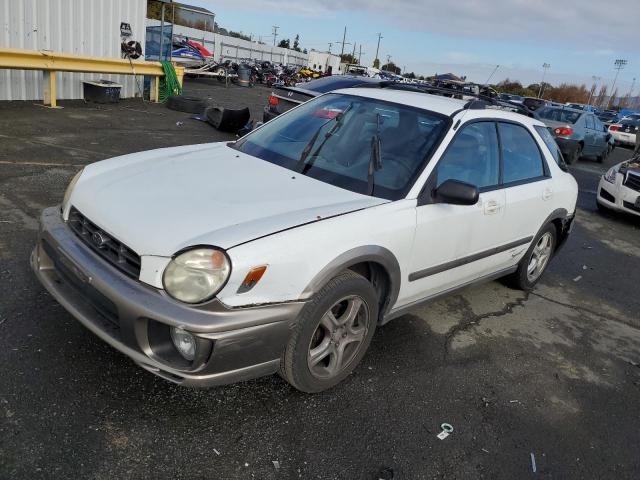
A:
(283, 251)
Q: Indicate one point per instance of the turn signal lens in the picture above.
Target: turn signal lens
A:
(252, 278)
(273, 100)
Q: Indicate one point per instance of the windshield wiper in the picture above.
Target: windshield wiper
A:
(375, 160)
(301, 166)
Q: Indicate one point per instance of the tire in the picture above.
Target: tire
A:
(602, 158)
(575, 155)
(186, 104)
(227, 119)
(317, 332)
(521, 278)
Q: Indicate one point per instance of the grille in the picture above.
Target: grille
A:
(109, 248)
(631, 206)
(632, 182)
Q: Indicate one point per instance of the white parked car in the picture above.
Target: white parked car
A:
(619, 188)
(625, 131)
(283, 251)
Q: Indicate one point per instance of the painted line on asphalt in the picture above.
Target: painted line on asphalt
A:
(41, 164)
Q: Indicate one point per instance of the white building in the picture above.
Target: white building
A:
(323, 60)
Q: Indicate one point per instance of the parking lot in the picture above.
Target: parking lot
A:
(553, 375)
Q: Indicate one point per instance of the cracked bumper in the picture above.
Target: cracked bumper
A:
(234, 344)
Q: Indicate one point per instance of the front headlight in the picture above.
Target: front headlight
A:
(610, 176)
(196, 275)
(69, 190)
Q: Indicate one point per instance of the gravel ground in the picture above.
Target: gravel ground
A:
(554, 374)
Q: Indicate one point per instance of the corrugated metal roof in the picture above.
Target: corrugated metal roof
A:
(81, 27)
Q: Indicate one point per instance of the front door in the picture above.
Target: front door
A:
(453, 243)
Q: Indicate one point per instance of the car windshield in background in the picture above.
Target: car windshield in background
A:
(336, 82)
(364, 145)
(559, 115)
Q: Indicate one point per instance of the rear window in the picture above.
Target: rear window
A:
(559, 115)
(335, 82)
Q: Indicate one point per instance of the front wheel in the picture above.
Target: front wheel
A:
(333, 333)
(536, 260)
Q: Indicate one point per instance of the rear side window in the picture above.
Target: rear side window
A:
(550, 142)
(520, 154)
(473, 157)
(590, 123)
(559, 115)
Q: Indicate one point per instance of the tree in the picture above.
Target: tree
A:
(602, 95)
(296, 43)
(284, 43)
(348, 58)
(410, 75)
(392, 67)
(376, 63)
(305, 51)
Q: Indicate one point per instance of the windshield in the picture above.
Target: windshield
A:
(364, 145)
(559, 115)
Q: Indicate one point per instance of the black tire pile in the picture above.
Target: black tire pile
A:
(224, 119)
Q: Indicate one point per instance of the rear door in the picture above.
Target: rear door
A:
(527, 182)
(589, 135)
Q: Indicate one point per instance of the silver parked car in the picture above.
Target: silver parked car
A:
(577, 132)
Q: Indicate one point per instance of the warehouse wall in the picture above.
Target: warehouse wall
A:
(81, 27)
(233, 48)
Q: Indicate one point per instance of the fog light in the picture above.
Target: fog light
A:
(184, 342)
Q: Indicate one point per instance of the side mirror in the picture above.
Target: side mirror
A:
(455, 192)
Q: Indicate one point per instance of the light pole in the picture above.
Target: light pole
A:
(545, 67)
(619, 64)
(595, 87)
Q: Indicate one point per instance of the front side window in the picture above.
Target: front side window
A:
(520, 154)
(473, 157)
(360, 144)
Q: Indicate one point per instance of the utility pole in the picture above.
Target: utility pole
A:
(344, 37)
(353, 55)
(330, 45)
(619, 64)
(545, 67)
(360, 56)
(378, 47)
(388, 60)
(275, 34)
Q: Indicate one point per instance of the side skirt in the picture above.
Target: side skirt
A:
(398, 312)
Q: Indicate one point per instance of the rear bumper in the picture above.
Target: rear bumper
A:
(567, 145)
(622, 138)
(234, 344)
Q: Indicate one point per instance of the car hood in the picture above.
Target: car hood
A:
(161, 201)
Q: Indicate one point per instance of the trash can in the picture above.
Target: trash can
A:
(101, 91)
(244, 75)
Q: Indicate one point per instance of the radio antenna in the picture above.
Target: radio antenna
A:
(468, 106)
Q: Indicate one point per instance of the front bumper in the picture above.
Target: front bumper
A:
(236, 343)
(617, 196)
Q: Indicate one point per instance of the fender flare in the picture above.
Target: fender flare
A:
(365, 253)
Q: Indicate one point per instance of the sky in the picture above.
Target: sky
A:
(580, 39)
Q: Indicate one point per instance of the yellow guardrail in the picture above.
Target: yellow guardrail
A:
(52, 62)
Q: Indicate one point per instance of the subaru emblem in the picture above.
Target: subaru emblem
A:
(98, 240)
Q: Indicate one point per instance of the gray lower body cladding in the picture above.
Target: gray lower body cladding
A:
(235, 344)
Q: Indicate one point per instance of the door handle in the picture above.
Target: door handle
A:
(491, 207)
(547, 193)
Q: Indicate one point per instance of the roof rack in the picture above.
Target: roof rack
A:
(480, 101)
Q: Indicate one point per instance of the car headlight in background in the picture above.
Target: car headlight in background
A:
(196, 275)
(610, 176)
(69, 190)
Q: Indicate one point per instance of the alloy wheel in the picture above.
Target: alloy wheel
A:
(540, 257)
(338, 337)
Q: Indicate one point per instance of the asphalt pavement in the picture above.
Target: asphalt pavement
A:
(550, 378)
